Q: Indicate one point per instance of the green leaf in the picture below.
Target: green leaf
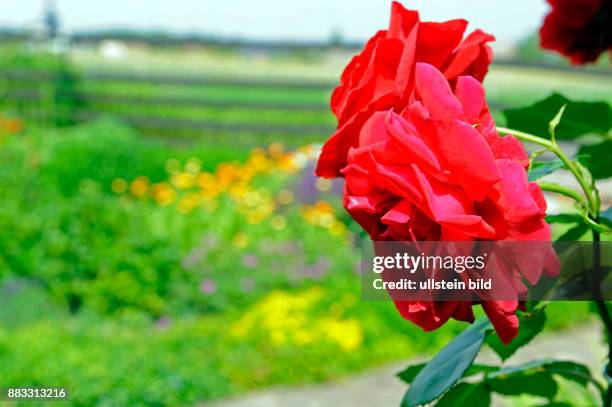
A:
(564, 218)
(466, 394)
(573, 371)
(540, 169)
(599, 163)
(407, 375)
(574, 234)
(606, 217)
(579, 118)
(447, 366)
(537, 377)
(531, 324)
(537, 384)
(569, 370)
(582, 164)
(552, 125)
(480, 368)
(575, 394)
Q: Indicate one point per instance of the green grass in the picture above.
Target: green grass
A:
(222, 93)
(218, 114)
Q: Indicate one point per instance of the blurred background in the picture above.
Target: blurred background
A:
(163, 240)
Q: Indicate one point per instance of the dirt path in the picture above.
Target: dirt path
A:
(380, 388)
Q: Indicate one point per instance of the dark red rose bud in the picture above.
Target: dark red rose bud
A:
(579, 29)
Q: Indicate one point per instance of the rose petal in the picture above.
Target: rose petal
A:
(436, 94)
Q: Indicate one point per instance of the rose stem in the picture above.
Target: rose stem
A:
(593, 214)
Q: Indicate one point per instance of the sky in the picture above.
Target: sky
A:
(305, 20)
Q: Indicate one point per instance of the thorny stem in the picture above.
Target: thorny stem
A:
(593, 206)
(589, 191)
(560, 189)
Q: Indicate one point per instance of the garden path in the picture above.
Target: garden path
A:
(380, 387)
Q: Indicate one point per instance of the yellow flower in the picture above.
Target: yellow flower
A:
(188, 203)
(255, 217)
(323, 184)
(193, 166)
(226, 173)
(276, 150)
(257, 151)
(347, 334)
(287, 163)
(163, 193)
(238, 192)
(205, 179)
(337, 228)
(139, 186)
(183, 180)
(285, 197)
(278, 222)
(119, 185)
(324, 207)
(172, 166)
(285, 318)
(241, 240)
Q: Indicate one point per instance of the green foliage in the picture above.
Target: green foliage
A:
(183, 362)
(95, 286)
(536, 384)
(552, 125)
(564, 218)
(40, 86)
(599, 159)
(409, 373)
(113, 150)
(539, 169)
(579, 118)
(472, 383)
(531, 324)
(466, 394)
(60, 224)
(540, 378)
(606, 217)
(575, 233)
(448, 366)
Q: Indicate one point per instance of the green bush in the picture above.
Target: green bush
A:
(39, 85)
(61, 225)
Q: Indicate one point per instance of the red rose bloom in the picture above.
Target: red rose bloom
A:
(578, 29)
(381, 77)
(438, 170)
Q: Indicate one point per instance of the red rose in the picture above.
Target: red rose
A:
(381, 77)
(578, 29)
(438, 170)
